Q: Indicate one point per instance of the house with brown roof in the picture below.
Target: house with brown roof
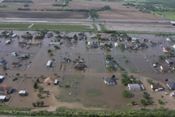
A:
(164, 68)
(166, 49)
(49, 81)
(157, 86)
(4, 89)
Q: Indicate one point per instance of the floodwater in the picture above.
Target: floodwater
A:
(87, 86)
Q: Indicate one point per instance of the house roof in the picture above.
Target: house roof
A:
(134, 86)
(171, 85)
(5, 88)
(49, 80)
(156, 86)
(167, 48)
(164, 67)
(80, 65)
(110, 80)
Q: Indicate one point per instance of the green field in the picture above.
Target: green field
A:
(167, 15)
(14, 25)
(48, 26)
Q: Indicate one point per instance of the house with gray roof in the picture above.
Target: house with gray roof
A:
(134, 87)
(110, 81)
(171, 85)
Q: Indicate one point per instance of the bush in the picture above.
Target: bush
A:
(161, 102)
(126, 94)
(150, 81)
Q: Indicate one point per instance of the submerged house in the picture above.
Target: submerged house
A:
(49, 81)
(80, 65)
(171, 85)
(3, 62)
(134, 87)
(4, 89)
(110, 81)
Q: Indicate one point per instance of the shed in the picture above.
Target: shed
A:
(1, 77)
(134, 87)
(2, 97)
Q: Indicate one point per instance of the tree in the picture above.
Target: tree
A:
(162, 57)
(17, 74)
(39, 95)
(33, 104)
(143, 102)
(75, 37)
(126, 61)
(126, 94)
(122, 47)
(4, 67)
(55, 74)
(35, 86)
(56, 47)
(113, 76)
(150, 81)
(42, 103)
(37, 103)
(161, 102)
(133, 102)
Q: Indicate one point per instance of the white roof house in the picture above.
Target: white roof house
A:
(2, 97)
(22, 92)
(134, 87)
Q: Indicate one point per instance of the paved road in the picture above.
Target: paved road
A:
(52, 20)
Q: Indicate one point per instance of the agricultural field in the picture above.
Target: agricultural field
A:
(74, 9)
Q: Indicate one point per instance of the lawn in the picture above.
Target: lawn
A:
(14, 25)
(49, 26)
(167, 15)
(62, 27)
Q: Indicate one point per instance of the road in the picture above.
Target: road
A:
(52, 20)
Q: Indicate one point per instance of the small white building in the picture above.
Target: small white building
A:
(2, 97)
(134, 87)
(49, 63)
(14, 54)
(22, 92)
